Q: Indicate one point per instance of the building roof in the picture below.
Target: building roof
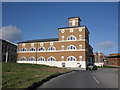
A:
(74, 17)
(114, 54)
(7, 41)
(40, 40)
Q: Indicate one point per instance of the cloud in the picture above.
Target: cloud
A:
(10, 33)
(105, 45)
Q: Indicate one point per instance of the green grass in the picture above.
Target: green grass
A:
(16, 75)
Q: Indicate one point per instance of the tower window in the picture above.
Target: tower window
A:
(71, 47)
(62, 38)
(71, 37)
(71, 30)
(80, 37)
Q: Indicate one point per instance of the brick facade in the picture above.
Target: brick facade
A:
(73, 42)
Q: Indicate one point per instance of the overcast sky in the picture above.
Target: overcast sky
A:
(29, 21)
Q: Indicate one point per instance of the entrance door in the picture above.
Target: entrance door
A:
(63, 64)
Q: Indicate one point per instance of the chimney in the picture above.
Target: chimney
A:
(74, 21)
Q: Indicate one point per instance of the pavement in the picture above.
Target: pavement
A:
(101, 78)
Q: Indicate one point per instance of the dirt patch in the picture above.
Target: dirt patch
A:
(55, 69)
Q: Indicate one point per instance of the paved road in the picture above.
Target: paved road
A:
(102, 78)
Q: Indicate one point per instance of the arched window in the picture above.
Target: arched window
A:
(71, 58)
(71, 47)
(32, 49)
(41, 49)
(41, 58)
(51, 58)
(23, 59)
(23, 49)
(71, 38)
(31, 59)
(52, 48)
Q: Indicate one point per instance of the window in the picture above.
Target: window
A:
(32, 44)
(32, 49)
(41, 44)
(71, 37)
(51, 58)
(71, 30)
(71, 58)
(51, 43)
(73, 22)
(52, 48)
(22, 59)
(80, 57)
(41, 49)
(31, 59)
(80, 37)
(62, 38)
(62, 31)
(41, 58)
(71, 47)
(62, 47)
(80, 29)
(23, 49)
(80, 46)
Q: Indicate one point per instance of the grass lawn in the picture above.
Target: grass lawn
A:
(15, 75)
(107, 67)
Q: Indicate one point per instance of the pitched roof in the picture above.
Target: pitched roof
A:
(40, 40)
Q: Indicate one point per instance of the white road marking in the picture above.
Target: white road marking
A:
(93, 73)
(95, 79)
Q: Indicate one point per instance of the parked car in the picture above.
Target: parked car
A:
(91, 67)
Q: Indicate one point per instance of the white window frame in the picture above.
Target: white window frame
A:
(33, 48)
(22, 50)
(51, 43)
(51, 58)
(49, 49)
(71, 30)
(62, 31)
(23, 59)
(32, 44)
(80, 37)
(71, 47)
(41, 44)
(73, 22)
(71, 57)
(69, 38)
(41, 58)
(30, 58)
(42, 50)
(80, 29)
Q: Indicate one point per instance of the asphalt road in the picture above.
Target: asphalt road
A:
(101, 78)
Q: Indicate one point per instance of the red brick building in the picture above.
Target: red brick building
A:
(70, 49)
(114, 59)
